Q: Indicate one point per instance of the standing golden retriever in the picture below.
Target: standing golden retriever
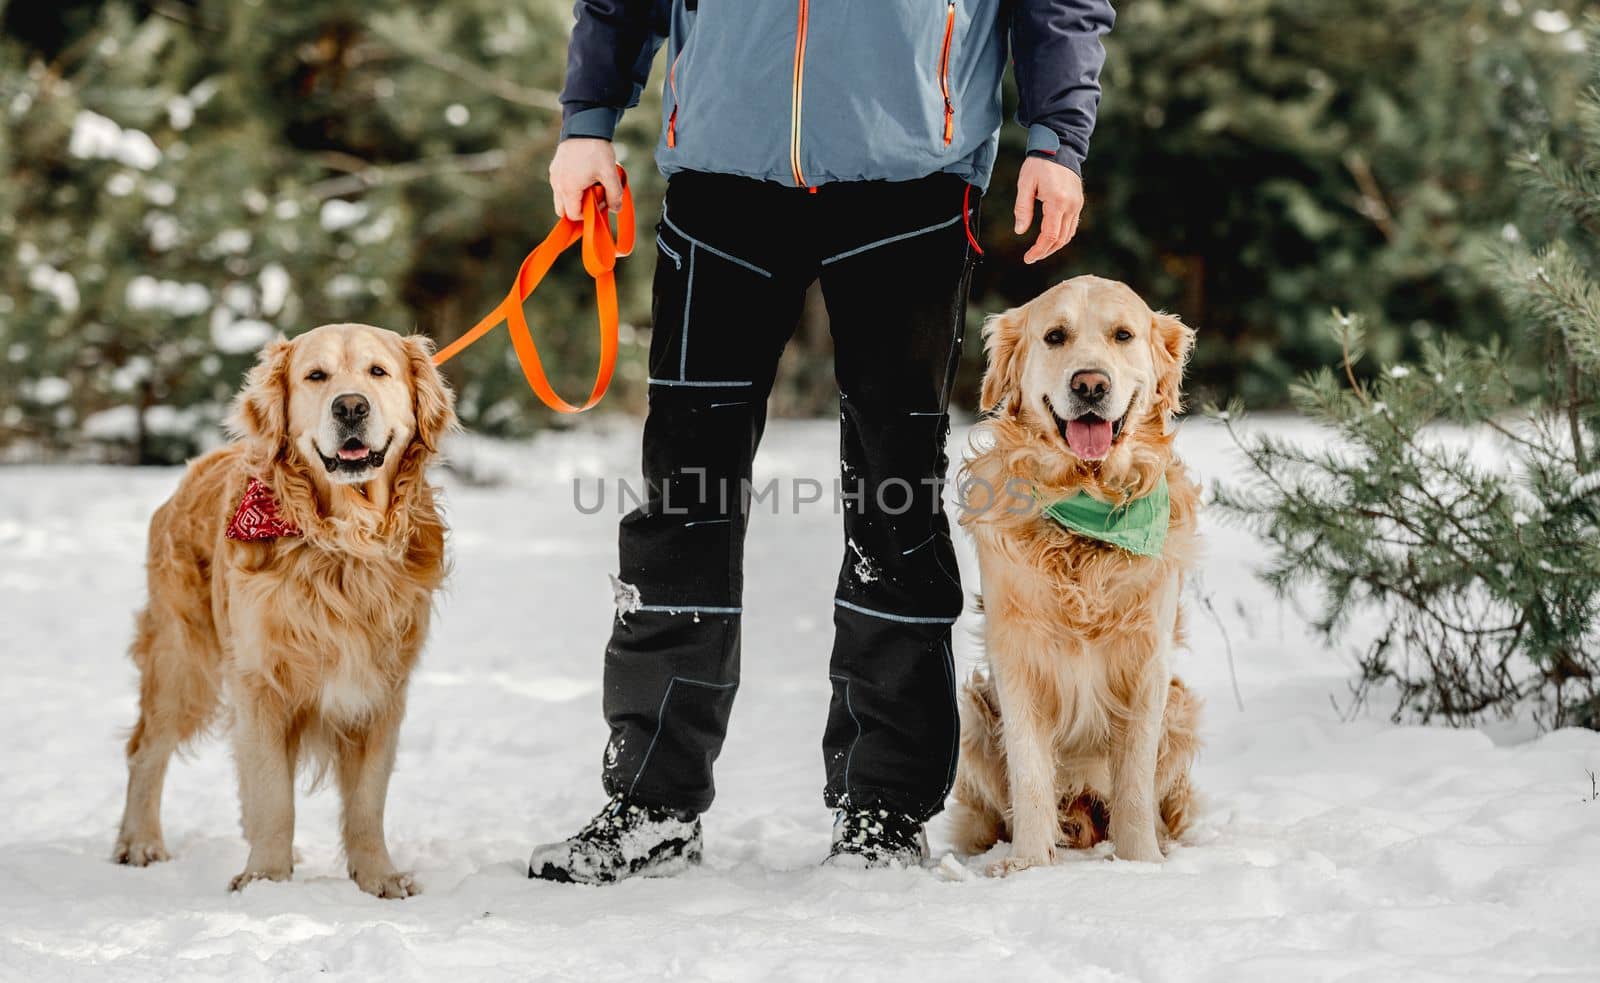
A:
(1079, 728)
(294, 572)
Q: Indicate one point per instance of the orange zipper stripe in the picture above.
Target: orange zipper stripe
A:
(798, 94)
(672, 121)
(944, 74)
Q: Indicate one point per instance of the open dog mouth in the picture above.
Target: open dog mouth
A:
(354, 455)
(1089, 436)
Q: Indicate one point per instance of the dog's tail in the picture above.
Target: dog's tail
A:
(977, 818)
(1180, 744)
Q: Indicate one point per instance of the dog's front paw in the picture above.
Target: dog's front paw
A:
(250, 876)
(139, 852)
(1020, 860)
(1140, 848)
(389, 884)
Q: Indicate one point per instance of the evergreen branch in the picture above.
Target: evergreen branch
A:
(1349, 346)
(1567, 190)
(1574, 425)
(451, 64)
(1373, 203)
(363, 178)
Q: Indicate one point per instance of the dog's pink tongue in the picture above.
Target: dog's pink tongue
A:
(352, 453)
(1089, 438)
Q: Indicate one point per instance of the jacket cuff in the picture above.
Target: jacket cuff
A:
(1045, 142)
(599, 122)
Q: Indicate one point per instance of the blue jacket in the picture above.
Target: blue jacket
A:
(804, 92)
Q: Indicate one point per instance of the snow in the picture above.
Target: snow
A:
(1552, 21)
(1327, 849)
(338, 214)
(236, 336)
(146, 293)
(121, 423)
(274, 281)
(95, 137)
(59, 284)
(46, 390)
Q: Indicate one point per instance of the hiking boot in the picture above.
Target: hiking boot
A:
(874, 838)
(625, 840)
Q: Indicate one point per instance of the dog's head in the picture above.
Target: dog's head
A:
(354, 403)
(1086, 363)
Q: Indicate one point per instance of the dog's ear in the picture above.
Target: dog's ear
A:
(433, 404)
(1172, 341)
(261, 410)
(1002, 343)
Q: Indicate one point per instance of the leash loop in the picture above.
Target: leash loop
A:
(601, 248)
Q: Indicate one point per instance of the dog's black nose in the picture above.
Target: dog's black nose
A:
(1090, 385)
(351, 408)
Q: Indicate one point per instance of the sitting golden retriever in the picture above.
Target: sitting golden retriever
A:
(294, 571)
(1078, 729)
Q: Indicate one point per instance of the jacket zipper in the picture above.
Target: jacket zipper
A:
(799, 80)
(944, 74)
(672, 82)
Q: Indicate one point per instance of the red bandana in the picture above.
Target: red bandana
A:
(257, 518)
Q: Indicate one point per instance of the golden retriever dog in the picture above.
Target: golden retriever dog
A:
(1077, 730)
(291, 576)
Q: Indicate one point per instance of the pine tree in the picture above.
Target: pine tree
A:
(1480, 564)
(1255, 158)
(182, 180)
(162, 233)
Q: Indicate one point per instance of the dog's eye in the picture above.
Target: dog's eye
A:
(1055, 336)
(1124, 335)
(378, 370)
(316, 375)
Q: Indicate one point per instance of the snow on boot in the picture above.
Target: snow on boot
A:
(625, 840)
(869, 838)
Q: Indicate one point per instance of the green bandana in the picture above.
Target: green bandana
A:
(1140, 527)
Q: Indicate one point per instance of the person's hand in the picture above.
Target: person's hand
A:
(1060, 190)
(581, 163)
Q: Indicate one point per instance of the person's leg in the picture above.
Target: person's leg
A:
(728, 295)
(895, 279)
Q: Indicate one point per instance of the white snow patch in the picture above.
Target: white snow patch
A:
(274, 280)
(95, 137)
(1584, 484)
(59, 284)
(625, 595)
(47, 390)
(238, 336)
(122, 422)
(120, 184)
(164, 231)
(1552, 21)
(127, 377)
(338, 214)
(146, 293)
(1327, 849)
(866, 570)
(231, 242)
(344, 286)
(160, 193)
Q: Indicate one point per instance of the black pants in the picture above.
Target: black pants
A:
(735, 259)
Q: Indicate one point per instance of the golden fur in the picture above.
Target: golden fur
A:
(1077, 730)
(310, 640)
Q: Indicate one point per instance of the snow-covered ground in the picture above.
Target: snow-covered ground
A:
(1329, 850)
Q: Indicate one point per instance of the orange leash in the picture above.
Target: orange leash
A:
(600, 251)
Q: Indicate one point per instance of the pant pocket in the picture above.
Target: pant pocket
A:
(671, 294)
